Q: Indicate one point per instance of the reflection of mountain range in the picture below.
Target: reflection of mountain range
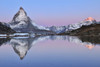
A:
(93, 40)
(4, 40)
(22, 45)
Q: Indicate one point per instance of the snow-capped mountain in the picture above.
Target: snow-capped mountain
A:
(88, 27)
(59, 29)
(20, 20)
(86, 22)
(22, 23)
(62, 29)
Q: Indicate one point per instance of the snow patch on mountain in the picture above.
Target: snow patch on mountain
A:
(80, 24)
(39, 26)
(62, 29)
(59, 29)
(90, 19)
(21, 16)
(22, 23)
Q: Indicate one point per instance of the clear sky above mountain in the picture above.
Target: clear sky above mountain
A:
(51, 12)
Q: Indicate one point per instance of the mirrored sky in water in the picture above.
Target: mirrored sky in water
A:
(52, 12)
(49, 51)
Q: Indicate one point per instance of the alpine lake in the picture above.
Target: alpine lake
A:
(50, 51)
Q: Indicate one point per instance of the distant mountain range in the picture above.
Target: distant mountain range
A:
(21, 23)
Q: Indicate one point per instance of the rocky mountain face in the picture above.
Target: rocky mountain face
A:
(20, 20)
(85, 22)
(4, 29)
(22, 23)
(89, 27)
(91, 30)
(57, 30)
(67, 29)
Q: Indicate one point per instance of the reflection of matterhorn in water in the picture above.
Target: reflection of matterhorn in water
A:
(22, 45)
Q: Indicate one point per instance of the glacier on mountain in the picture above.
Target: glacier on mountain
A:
(58, 29)
(79, 25)
(70, 27)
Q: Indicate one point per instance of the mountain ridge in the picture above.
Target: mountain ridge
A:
(21, 23)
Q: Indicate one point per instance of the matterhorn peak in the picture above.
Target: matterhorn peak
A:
(90, 19)
(21, 10)
(21, 15)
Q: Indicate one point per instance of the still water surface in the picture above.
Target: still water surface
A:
(49, 51)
